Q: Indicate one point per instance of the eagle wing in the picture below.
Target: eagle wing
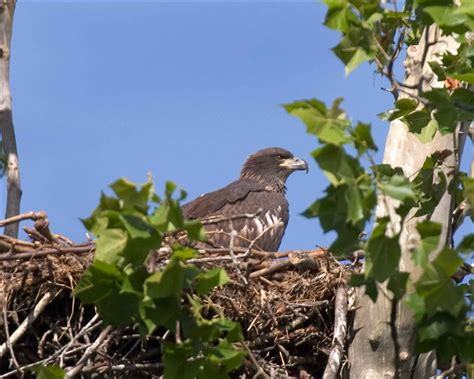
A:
(240, 198)
(208, 204)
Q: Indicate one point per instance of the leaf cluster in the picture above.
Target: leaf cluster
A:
(129, 225)
(377, 32)
(348, 207)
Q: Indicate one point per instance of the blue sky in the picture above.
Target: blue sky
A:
(185, 91)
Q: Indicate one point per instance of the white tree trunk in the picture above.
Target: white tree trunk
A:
(7, 8)
(372, 353)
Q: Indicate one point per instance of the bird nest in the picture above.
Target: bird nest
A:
(285, 303)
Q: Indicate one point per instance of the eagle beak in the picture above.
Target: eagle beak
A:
(294, 164)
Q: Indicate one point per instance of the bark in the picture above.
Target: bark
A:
(7, 8)
(383, 332)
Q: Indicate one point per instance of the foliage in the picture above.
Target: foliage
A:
(128, 226)
(376, 32)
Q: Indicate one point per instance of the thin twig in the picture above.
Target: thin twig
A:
(7, 332)
(89, 351)
(451, 370)
(260, 371)
(29, 320)
(48, 251)
(24, 216)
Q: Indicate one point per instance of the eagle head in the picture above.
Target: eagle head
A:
(272, 166)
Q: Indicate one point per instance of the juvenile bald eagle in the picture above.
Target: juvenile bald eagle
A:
(260, 191)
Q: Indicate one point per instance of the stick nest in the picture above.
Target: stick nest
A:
(283, 301)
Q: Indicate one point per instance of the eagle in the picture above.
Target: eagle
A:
(253, 210)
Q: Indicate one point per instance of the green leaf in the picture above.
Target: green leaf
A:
(98, 281)
(363, 138)
(338, 15)
(383, 253)
(466, 246)
(466, 77)
(417, 120)
(166, 283)
(445, 16)
(468, 189)
(133, 195)
(195, 230)
(205, 281)
(165, 312)
(177, 365)
(142, 238)
(447, 118)
(329, 125)
(397, 283)
(49, 372)
(447, 262)
(355, 210)
(336, 164)
(227, 355)
(184, 253)
(111, 245)
(428, 132)
(357, 46)
(397, 187)
(429, 239)
(417, 303)
(403, 107)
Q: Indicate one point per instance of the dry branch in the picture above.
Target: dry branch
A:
(340, 333)
(27, 322)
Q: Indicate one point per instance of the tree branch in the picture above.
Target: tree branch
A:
(28, 321)
(7, 8)
(339, 338)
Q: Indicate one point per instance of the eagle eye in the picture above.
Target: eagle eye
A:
(279, 157)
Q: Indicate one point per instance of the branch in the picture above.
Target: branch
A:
(339, 338)
(29, 320)
(89, 351)
(6, 120)
(451, 370)
(90, 247)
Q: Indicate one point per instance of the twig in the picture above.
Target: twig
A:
(260, 371)
(89, 351)
(29, 320)
(123, 367)
(24, 216)
(7, 332)
(235, 261)
(43, 252)
(339, 338)
(90, 326)
(453, 369)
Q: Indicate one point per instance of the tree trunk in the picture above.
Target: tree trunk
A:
(384, 332)
(7, 8)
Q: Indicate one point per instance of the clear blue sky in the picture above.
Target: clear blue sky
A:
(185, 91)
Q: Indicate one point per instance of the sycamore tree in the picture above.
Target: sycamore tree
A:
(410, 316)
